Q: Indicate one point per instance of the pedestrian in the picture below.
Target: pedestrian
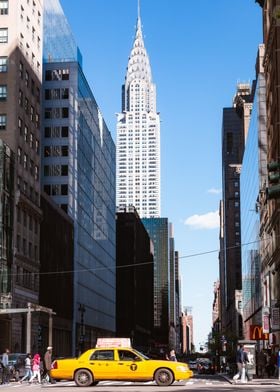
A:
(5, 365)
(36, 368)
(241, 361)
(261, 363)
(48, 363)
(27, 367)
(172, 356)
(271, 364)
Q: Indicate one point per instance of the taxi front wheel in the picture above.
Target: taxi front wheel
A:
(164, 377)
(83, 378)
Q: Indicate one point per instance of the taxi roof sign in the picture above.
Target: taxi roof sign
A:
(113, 342)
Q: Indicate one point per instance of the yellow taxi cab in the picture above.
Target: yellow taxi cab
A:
(118, 363)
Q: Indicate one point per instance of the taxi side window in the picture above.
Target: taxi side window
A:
(102, 355)
(125, 355)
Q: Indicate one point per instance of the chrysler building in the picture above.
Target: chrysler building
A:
(138, 135)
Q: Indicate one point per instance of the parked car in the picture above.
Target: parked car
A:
(205, 366)
(16, 365)
(118, 363)
(192, 364)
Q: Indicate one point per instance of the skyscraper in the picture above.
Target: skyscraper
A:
(79, 174)
(20, 107)
(138, 135)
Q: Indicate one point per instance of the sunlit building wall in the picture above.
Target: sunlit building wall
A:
(21, 24)
(250, 217)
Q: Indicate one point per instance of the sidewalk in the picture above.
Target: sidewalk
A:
(254, 381)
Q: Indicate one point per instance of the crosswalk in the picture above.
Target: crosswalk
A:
(192, 381)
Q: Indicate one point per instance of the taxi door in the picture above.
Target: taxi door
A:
(102, 364)
(131, 366)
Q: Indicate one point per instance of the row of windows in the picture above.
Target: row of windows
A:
(57, 93)
(24, 75)
(29, 109)
(27, 279)
(56, 151)
(28, 136)
(56, 189)
(3, 122)
(56, 131)
(28, 163)
(56, 170)
(4, 7)
(27, 248)
(27, 220)
(3, 64)
(57, 74)
(27, 190)
(56, 113)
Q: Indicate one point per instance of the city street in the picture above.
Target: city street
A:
(197, 383)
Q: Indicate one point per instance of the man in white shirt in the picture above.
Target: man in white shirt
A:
(5, 363)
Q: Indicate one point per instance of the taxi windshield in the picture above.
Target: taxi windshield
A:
(141, 354)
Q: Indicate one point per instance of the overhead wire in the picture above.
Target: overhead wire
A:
(112, 268)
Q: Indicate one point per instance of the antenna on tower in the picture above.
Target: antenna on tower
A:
(139, 9)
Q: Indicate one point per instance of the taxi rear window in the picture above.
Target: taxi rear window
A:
(102, 355)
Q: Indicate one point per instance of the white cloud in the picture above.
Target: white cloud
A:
(215, 191)
(210, 220)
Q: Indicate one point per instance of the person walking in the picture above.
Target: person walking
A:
(36, 368)
(48, 363)
(5, 364)
(261, 363)
(27, 367)
(241, 361)
(172, 356)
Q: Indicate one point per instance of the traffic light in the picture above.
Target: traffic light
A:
(273, 190)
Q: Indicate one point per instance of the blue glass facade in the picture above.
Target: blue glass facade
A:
(78, 172)
(250, 223)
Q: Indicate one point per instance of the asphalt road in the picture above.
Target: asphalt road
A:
(201, 383)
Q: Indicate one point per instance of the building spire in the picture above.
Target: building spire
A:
(138, 63)
(139, 17)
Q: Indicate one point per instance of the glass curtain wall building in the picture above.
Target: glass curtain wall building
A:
(78, 172)
(158, 230)
(250, 180)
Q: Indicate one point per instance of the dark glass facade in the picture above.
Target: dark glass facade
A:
(135, 275)
(158, 229)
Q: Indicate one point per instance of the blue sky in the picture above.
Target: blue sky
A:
(199, 50)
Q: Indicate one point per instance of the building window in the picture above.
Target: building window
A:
(47, 189)
(20, 126)
(25, 133)
(64, 131)
(64, 189)
(26, 78)
(3, 35)
(65, 112)
(3, 92)
(3, 121)
(19, 155)
(20, 98)
(4, 7)
(3, 64)
(64, 170)
(25, 161)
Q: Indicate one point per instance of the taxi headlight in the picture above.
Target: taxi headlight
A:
(182, 368)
